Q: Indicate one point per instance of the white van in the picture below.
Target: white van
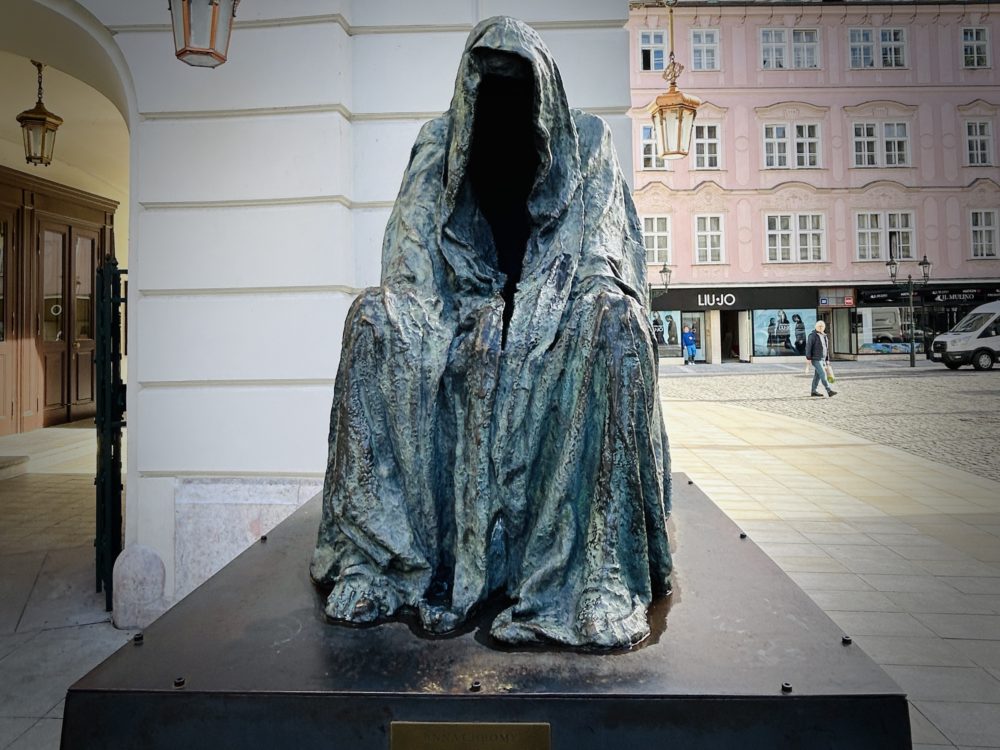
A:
(975, 340)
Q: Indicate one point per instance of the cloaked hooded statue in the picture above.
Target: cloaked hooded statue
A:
(496, 427)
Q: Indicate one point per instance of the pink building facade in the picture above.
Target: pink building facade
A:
(832, 134)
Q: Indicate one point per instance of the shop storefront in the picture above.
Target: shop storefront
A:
(881, 324)
(736, 323)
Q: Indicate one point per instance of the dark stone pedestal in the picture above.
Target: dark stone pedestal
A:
(262, 669)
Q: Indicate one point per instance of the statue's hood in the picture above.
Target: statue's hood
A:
(557, 178)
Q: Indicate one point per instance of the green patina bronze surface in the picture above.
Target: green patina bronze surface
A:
(496, 425)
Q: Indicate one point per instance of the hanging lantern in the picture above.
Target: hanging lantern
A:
(202, 29)
(39, 128)
(673, 113)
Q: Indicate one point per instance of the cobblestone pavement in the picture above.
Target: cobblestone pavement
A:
(951, 417)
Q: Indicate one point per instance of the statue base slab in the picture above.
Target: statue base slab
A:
(739, 657)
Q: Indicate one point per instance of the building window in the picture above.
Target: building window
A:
(656, 237)
(892, 230)
(885, 145)
(708, 239)
(794, 238)
(885, 48)
(806, 146)
(705, 49)
(978, 143)
(975, 47)
(805, 48)
(781, 139)
(862, 48)
(984, 234)
(706, 146)
(895, 139)
(649, 158)
(774, 49)
(865, 144)
(869, 237)
(773, 43)
(776, 146)
(892, 43)
(651, 50)
(900, 229)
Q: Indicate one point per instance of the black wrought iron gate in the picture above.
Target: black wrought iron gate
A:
(110, 421)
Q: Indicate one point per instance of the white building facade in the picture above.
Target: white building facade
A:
(255, 200)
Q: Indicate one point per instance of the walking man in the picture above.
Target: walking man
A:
(818, 353)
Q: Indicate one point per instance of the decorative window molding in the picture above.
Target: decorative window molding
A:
(652, 50)
(791, 111)
(656, 238)
(709, 232)
(705, 49)
(975, 47)
(983, 234)
(795, 238)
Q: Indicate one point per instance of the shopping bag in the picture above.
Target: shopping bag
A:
(829, 373)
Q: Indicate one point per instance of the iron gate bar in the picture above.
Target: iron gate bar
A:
(109, 421)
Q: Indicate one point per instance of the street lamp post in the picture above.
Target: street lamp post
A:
(925, 269)
(665, 273)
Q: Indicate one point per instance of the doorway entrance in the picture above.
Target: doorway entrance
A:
(696, 322)
(729, 325)
(52, 239)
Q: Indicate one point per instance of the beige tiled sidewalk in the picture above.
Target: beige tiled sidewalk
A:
(901, 552)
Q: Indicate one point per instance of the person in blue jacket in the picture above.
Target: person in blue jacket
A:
(690, 346)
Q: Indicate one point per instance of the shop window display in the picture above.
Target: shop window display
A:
(885, 330)
(667, 331)
(782, 333)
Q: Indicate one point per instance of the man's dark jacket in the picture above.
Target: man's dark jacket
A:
(814, 347)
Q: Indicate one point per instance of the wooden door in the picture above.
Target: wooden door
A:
(53, 324)
(8, 338)
(82, 268)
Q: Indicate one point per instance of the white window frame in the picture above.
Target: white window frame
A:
(863, 45)
(778, 49)
(704, 47)
(983, 140)
(647, 151)
(976, 46)
(806, 141)
(882, 149)
(983, 235)
(788, 233)
(783, 152)
(647, 42)
(894, 231)
(895, 150)
(715, 239)
(652, 234)
(776, 147)
(891, 44)
(706, 149)
(808, 50)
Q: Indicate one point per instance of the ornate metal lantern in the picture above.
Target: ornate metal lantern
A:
(202, 29)
(39, 128)
(673, 112)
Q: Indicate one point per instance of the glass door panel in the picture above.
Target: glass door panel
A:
(53, 293)
(696, 322)
(83, 284)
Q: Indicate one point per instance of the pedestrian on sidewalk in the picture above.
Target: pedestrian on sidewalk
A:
(818, 354)
(688, 341)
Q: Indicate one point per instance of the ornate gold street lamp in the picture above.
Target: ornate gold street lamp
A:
(202, 29)
(39, 126)
(673, 113)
